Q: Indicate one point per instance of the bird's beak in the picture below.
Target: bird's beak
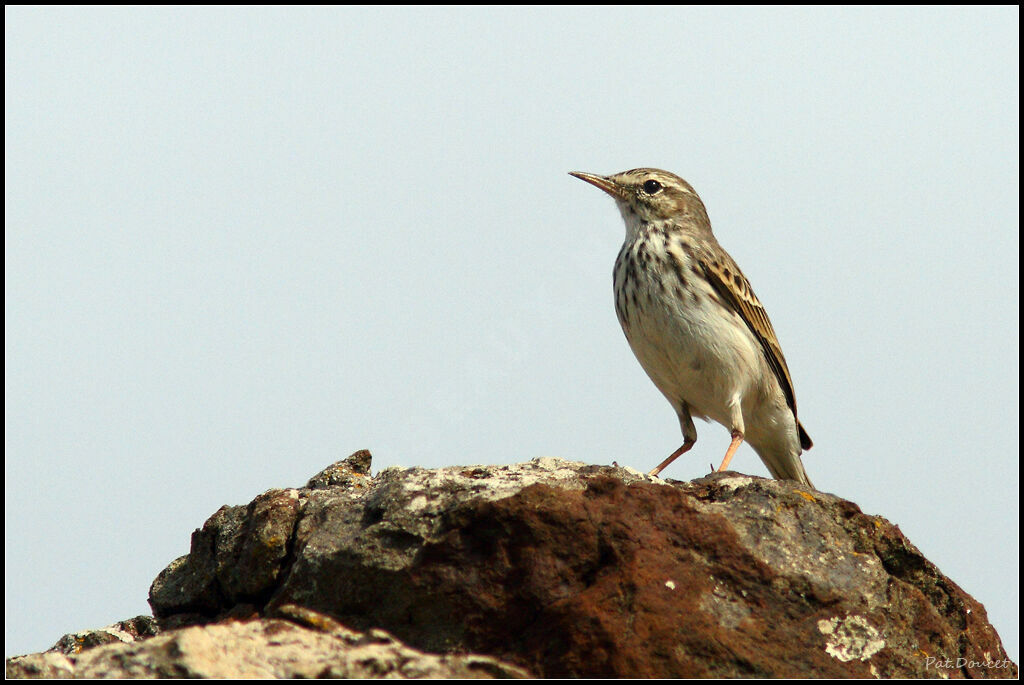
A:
(603, 182)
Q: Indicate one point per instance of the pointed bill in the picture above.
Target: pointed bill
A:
(603, 182)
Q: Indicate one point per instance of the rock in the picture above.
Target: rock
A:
(47, 665)
(353, 471)
(571, 570)
(561, 568)
(236, 558)
(132, 630)
(306, 646)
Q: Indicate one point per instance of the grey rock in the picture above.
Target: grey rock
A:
(352, 471)
(138, 628)
(236, 559)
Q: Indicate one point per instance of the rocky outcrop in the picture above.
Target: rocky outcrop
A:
(565, 569)
(303, 644)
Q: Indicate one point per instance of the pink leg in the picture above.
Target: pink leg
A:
(737, 438)
(672, 457)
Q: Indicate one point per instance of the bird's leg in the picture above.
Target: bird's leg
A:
(685, 447)
(737, 438)
(689, 438)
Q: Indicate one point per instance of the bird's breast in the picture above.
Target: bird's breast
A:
(689, 342)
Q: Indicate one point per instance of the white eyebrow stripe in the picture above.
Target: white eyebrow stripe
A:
(640, 175)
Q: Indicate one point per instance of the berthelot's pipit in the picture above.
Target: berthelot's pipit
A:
(696, 326)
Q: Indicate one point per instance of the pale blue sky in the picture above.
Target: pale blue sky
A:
(243, 243)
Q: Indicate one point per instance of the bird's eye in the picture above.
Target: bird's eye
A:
(651, 187)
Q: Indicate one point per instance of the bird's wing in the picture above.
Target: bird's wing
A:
(733, 287)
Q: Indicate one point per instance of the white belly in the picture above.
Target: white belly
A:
(694, 349)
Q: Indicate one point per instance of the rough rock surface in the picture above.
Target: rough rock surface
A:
(561, 568)
(132, 630)
(575, 570)
(306, 645)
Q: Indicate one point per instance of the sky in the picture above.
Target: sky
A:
(243, 243)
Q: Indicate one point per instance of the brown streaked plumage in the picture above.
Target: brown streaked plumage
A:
(695, 324)
(727, 279)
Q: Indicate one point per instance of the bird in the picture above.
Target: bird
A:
(695, 325)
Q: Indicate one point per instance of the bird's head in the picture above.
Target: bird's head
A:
(650, 196)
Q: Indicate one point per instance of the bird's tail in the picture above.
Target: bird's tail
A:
(805, 439)
(786, 466)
